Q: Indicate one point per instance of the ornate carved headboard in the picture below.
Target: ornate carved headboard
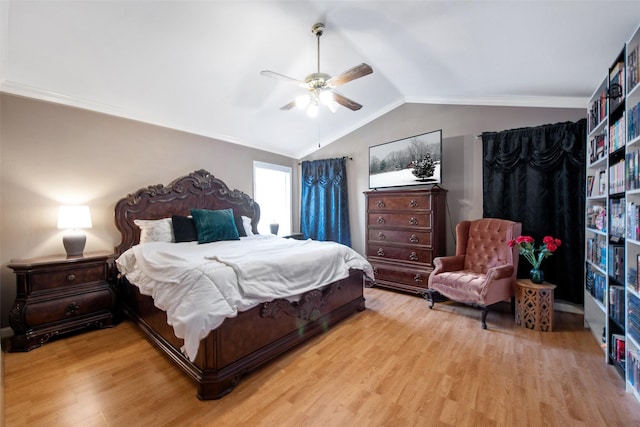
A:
(199, 190)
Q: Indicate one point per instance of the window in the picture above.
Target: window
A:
(272, 191)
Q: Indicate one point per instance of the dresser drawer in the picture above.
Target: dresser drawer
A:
(395, 274)
(409, 220)
(65, 308)
(57, 278)
(401, 253)
(410, 237)
(391, 202)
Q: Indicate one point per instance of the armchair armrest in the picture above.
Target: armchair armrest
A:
(499, 272)
(448, 263)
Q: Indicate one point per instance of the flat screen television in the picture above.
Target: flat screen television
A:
(416, 160)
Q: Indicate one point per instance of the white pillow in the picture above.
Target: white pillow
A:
(155, 230)
(246, 223)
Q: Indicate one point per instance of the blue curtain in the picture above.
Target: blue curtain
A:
(324, 208)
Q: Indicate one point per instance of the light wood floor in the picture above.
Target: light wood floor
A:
(395, 364)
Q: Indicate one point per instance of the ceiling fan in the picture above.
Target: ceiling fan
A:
(321, 86)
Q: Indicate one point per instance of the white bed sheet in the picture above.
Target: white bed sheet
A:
(199, 285)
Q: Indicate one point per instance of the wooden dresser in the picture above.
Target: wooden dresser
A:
(56, 295)
(406, 230)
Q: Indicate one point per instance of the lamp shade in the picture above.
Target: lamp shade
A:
(74, 217)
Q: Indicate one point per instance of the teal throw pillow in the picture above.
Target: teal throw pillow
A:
(213, 226)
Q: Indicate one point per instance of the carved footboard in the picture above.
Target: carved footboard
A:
(243, 343)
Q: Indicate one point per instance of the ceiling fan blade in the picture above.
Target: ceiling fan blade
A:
(351, 74)
(282, 77)
(289, 106)
(346, 102)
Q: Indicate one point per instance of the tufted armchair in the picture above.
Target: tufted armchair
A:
(484, 268)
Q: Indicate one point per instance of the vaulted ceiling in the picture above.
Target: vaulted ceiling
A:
(195, 65)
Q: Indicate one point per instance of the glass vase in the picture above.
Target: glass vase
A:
(537, 275)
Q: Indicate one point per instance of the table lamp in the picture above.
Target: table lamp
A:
(73, 219)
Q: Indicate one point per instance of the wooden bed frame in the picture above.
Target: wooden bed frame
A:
(254, 337)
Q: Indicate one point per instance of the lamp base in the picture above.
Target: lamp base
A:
(74, 244)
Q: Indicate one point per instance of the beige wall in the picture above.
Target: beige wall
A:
(52, 154)
(461, 152)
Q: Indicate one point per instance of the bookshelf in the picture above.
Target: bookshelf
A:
(612, 234)
(631, 290)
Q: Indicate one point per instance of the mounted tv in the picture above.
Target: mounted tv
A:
(416, 160)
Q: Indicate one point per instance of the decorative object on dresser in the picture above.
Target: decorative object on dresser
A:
(73, 219)
(57, 294)
(406, 230)
(483, 270)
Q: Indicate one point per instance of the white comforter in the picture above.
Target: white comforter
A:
(200, 285)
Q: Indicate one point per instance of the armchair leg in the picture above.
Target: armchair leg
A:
(433, 297)
(485, 310)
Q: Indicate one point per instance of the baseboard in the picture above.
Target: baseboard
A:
(568, 307)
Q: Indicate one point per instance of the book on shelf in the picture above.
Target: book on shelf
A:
(598, 109)
(602, 181)
(633, 71)
(617, 214)
(616, 177)
(596, 217)
(616, 303)
(632, 180)
(633, 221)
(618, 351)
(617, 134)
(595, 283)
(633, 125)
(590, 180)
(597, 146)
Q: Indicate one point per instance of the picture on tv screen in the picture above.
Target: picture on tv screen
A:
(416, 160)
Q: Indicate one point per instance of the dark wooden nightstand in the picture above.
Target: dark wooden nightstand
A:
(56, 295)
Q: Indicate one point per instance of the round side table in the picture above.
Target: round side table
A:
(534, 305)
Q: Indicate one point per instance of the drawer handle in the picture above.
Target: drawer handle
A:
(413, 256)
(375, 271)
(413, 221)
(418, 278)
(71, 277)
(381, 236)
(380, 252)
(381, 204)
(414, 239)
(413, 203)
(380, 220)
(72, 309)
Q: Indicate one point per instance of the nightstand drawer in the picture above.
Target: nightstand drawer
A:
(39, 313)
(60, 277)
(59, 294)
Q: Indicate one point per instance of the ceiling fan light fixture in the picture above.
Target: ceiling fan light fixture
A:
(302, 101)
(312, 110)
(326, 97)
(320, 85)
